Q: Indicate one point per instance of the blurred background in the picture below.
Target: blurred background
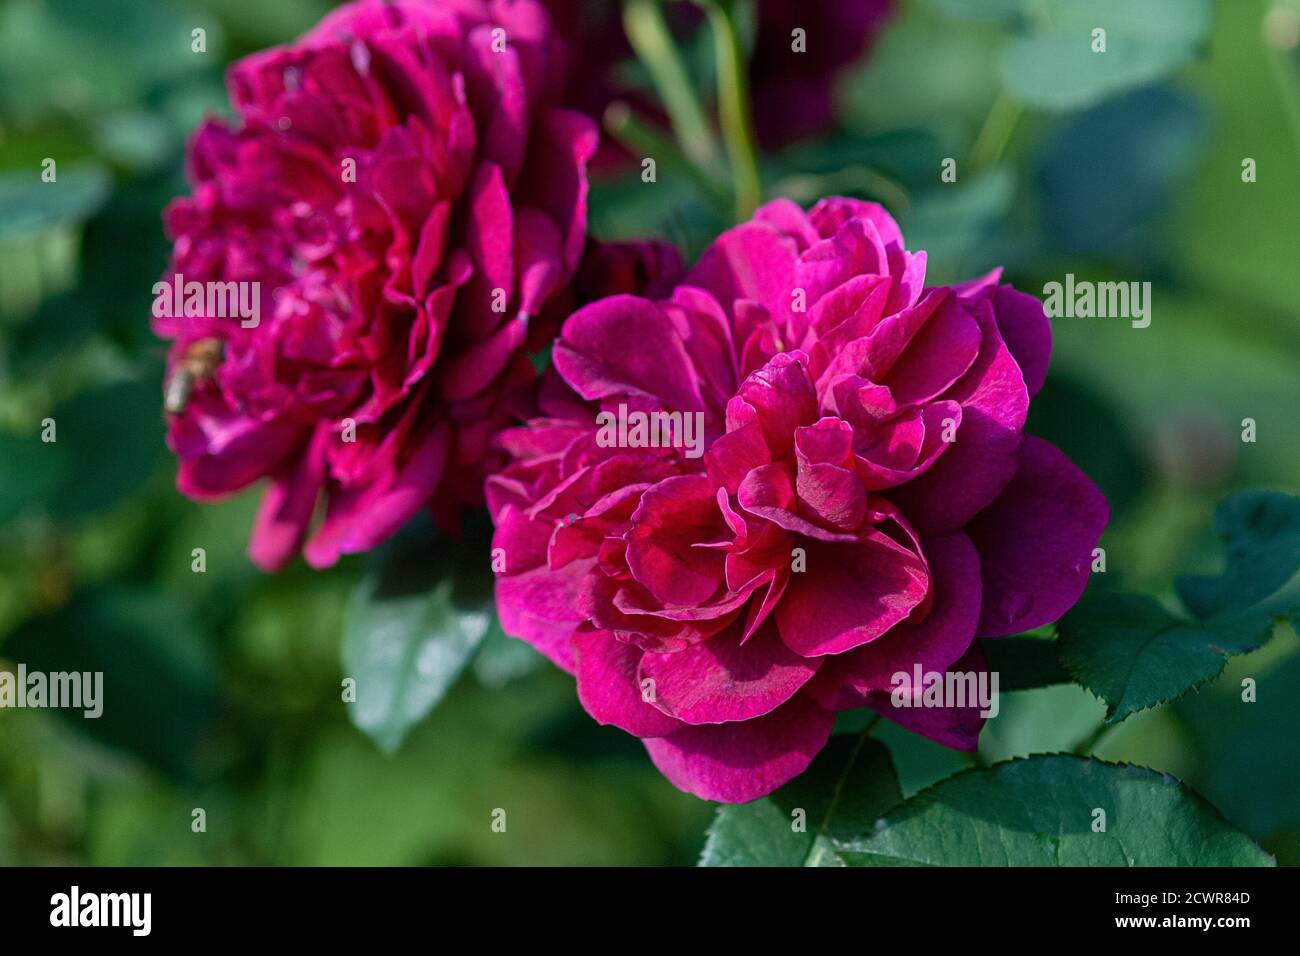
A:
(223, 687)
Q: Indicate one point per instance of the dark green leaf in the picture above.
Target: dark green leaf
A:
(1133, 653)
(31, 472)
(850, 164)
(1041, 811)
(412, 624)
(849, 784)
(1261, 533)
(114, 436)
(958, 225)
(1003, 10)
(1249, 748)
(160, 697)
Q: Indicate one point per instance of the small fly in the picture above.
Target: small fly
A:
(200, 360)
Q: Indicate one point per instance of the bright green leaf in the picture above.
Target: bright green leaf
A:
(848, 785)
(28, 205)
(1048, 811)
(1055, 67)
(411, 626)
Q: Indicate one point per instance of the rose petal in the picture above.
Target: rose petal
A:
(719, 680)
(288, 506)
(934, 642)
(1036, 541)
(956, 727)
(849, 594)
(608, 686)
(739, 762)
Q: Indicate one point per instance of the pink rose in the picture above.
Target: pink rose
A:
(867, 500)
(411, 203)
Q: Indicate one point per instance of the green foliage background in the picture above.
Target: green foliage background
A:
(223, 687)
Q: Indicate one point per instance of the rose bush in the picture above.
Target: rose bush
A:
(867, 501)
(411, 200)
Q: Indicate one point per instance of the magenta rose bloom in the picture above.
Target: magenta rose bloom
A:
(411, 203)
(866, 500)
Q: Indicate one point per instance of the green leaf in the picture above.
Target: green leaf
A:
(90, 56)
(1041, 811)
(948, 95)
(502, 659)
(28, 205)
(1134, 654)
(1249, 751)
(411, 626)
(1107, 175)
(1054, 67)
(1261, 533)
(1023, 663)
(31, 472)
(848, 785)
(125, 417)
(160, 696)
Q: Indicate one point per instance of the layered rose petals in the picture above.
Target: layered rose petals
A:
(411, 203)
(867, 507)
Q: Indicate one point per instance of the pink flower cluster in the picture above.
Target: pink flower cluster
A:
(868, 500)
